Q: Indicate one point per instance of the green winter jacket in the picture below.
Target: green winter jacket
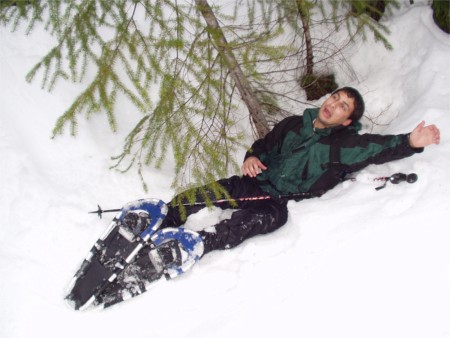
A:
(302, 159)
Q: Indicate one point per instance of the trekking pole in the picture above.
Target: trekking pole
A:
(397, 178)
(257, 198)
(394, 179)
(100, 211)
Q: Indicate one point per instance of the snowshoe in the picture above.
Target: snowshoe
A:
(128, 233)
(170, 252)
(131, 255)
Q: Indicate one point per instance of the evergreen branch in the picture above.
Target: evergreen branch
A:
(124, 49)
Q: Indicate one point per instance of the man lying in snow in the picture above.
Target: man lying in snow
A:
(307, 154)
(303, 156)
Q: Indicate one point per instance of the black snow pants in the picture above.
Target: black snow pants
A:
(251, 218)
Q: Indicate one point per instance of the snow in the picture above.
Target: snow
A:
(354, 263)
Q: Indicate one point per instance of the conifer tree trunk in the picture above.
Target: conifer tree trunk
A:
(304, 17)
(246, 91)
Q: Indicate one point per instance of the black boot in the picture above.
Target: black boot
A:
(166, 255)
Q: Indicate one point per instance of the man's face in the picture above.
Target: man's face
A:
(335, 111)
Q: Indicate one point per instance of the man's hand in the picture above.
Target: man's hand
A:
(252, 166)
(423, 136)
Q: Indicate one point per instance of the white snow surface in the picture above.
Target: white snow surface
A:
(354, 263)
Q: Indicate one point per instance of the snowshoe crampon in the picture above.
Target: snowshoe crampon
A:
(131, 255)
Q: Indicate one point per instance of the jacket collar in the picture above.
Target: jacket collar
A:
(311, 114)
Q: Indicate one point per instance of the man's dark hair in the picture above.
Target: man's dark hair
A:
(358, 102)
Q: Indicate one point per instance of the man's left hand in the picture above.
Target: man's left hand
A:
(423, 136)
